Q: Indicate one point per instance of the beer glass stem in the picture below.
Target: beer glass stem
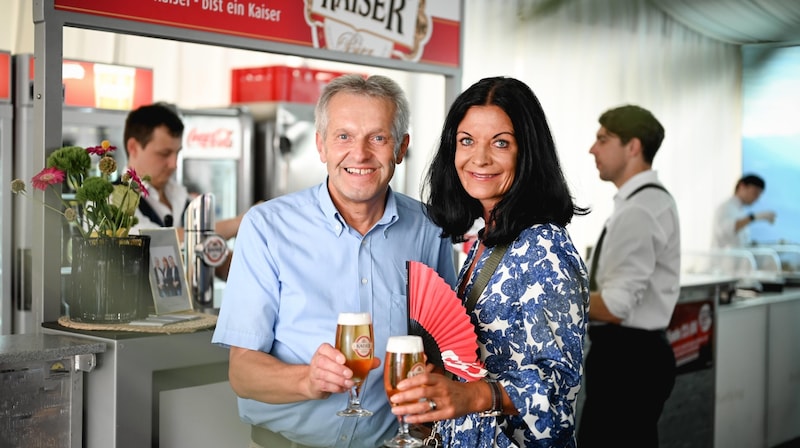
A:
(403, 439)
(354, 408)
(403, 430)
(355, 400)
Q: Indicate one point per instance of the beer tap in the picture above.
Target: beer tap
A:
(203, 250)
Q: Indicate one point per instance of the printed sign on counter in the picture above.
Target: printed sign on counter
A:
(690, 333)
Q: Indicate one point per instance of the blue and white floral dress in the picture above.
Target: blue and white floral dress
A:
(530, 321)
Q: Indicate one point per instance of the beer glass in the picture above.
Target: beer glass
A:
(354, 339)
(404, 359)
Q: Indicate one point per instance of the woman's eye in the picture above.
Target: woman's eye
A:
(501, 144)
(466, 141)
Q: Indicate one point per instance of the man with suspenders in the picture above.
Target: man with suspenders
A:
(634, 282)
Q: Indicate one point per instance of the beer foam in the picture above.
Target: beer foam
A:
(354, 319)
(404, 344)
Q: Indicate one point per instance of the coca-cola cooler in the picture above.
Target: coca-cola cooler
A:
(216, 157)
(97, 99)
(6, 171)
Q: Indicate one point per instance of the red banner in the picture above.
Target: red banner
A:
(411, 30)
(5, 76)
(104, 86)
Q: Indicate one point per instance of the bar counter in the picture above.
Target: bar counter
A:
(757, 363)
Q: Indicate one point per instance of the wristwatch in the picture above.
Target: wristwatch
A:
(497, 400)
(752, 217)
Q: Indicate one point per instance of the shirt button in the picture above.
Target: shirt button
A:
(363, 281)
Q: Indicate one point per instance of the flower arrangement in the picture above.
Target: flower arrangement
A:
(100, 208)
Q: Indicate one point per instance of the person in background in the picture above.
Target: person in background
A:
(169, 278)
(153, 138)
(634, 276)
(497, 161)
(160, 274)
(731, 221)
(304, 257)
(175, 276)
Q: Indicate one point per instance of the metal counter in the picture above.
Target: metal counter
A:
(158, 389)
(41, 382)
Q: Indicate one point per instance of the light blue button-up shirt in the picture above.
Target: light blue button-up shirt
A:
(297, 265)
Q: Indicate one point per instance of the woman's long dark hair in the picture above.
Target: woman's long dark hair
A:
(539, 193)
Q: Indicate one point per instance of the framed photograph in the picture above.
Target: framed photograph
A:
(167, 275)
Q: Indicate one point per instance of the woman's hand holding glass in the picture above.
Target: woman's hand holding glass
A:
(405, 358)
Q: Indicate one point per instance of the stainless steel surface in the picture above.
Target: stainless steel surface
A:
(125, 396)
(42, 404)
(6, 218)
(286, 158)
(85, 362)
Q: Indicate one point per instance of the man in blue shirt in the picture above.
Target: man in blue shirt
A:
(303, 258)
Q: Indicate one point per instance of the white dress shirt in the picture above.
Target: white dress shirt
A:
(725, 235)
(638, 271)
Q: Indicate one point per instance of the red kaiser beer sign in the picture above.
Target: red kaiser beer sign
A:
(425, 31)
(387, 29)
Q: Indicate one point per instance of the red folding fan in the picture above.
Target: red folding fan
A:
(437, 315)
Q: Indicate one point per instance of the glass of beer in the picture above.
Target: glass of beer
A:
(404, 359)
(354, 338)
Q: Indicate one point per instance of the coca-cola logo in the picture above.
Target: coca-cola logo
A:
(216, 138)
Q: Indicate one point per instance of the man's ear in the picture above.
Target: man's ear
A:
(321, 148)
(132, 147)
(403, 150)
(635, 147)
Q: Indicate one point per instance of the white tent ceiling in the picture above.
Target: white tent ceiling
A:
(739, 22)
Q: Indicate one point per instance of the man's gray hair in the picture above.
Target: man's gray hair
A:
(376, 86)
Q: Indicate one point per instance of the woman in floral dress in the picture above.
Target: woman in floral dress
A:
(497, 162)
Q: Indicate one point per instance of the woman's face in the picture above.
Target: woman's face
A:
(486, 154)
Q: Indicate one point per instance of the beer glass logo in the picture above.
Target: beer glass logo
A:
(370, 28)
(362, 346)
(416, 369)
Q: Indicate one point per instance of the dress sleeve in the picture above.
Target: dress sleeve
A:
(536, 336)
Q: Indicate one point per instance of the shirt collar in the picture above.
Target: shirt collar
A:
(639, 179)
(337, 222)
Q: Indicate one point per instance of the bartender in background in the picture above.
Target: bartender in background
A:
(634, 286)
(153, 137)
(731, 222)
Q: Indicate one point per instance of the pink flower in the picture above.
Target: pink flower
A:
(135, 178)
(46, 177)
(104, 148)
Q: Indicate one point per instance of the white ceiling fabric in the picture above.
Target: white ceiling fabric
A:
(738, 21)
